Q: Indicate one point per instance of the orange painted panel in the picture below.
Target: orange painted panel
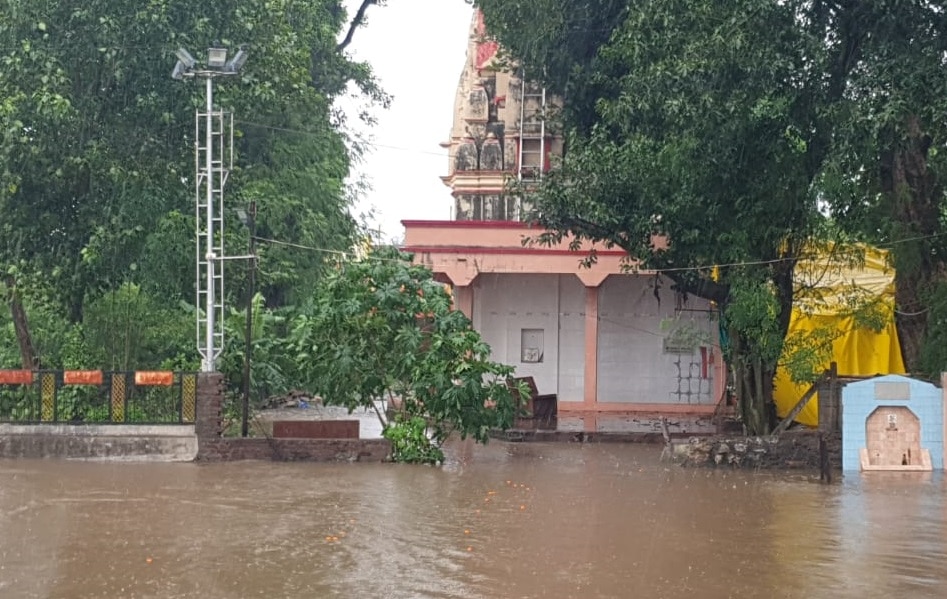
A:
(82, 377)
(154, 377)
(16, 377)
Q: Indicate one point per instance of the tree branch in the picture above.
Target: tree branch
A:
(356, 22)
(702, 287)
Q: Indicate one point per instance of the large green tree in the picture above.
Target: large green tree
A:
(726, 129)
(885, 178)
(97, 148)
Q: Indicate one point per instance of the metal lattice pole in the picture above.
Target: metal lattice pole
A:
(212, 140)
(211, 170)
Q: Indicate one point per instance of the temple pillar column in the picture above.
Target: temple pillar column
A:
(590, 398)
(464, 299)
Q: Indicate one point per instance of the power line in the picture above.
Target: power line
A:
(311, 248)
(712, 266)
(647, 271)
(365, 143)
(908, 239)
(303, 247)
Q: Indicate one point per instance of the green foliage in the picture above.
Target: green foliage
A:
(270, 364)
(805, 353)
(60, 343)
(97, 165)
(933, 358)
(132, 329)
(80, 403)
(383, 328)
(410, 442)
(753, 312)
(733, 130)
(20, 403)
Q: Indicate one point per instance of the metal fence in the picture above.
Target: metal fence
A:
(97, 397)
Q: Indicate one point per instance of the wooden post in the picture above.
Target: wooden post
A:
(836, 399)
(825, 404)
(829, 401)
(825, 468)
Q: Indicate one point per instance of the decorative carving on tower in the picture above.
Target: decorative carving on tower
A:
(490, 146)
(491, 154)
(467, 155)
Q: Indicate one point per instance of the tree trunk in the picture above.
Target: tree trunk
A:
(21, 326)
(913, 194)
(910, 319)
(753, 383)
(753, 375)
(753, 387)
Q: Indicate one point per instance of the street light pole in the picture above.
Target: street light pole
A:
(210, 255)
(209, 361)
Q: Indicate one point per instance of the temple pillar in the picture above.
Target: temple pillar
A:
(591, 348)
(463, 299)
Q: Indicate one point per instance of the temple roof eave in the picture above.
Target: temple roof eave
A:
(463, 265)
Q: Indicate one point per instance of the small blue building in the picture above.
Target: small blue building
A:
(892, 422)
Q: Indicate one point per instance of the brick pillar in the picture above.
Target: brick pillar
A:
(208, 421)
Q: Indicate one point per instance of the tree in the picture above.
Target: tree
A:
(557, 41)
(737, 134)
(888, 167)
(383, 328)
(696, 140)
(96, 143)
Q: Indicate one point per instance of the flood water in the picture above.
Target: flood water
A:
(502, 521)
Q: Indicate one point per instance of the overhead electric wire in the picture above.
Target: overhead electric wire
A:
(364, 143)
(644, 271)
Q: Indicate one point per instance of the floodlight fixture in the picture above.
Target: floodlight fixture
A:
(179, 71)
(185, 57)
(236, 63)
(216, 57)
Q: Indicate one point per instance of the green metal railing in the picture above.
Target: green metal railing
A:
(97, 397)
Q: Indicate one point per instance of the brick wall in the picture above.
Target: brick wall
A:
(212, 447)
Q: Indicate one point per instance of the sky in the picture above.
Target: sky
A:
(417, 50)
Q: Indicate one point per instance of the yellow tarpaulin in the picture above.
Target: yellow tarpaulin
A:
(824, 290)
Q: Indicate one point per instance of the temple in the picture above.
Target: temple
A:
(608, 339)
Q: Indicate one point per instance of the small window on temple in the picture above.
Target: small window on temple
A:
(531, 345)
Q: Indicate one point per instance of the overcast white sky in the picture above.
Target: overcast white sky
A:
(417, 50)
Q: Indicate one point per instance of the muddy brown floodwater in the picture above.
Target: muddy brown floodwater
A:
(502, 521)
